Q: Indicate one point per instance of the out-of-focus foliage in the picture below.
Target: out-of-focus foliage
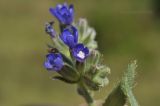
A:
(126, 30)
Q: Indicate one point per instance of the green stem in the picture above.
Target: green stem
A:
(82, 90)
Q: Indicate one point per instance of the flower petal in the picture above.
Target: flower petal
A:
(54, 61)
(80, 52)
(63, 13)
(75, 33)
(70, 36)
(47, 65)
(71, 10)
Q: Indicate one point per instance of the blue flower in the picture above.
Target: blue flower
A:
(70, 36)
(54, 62)
(80, 52)
(49, 29)
(64, 13)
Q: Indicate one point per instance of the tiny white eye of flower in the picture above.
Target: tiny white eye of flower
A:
(81, 55)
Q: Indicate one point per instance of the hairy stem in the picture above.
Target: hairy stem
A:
(86, 94)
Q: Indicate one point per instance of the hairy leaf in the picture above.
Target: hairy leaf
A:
(116, 97)
(127, 83)
(123, 92)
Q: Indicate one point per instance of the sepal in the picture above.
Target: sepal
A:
(100, 78)
(86, 34)
(67, 61)
(92, 61)
(90, 84)
(57, 43)
(64, 80)
(69, 73)
(95, 76)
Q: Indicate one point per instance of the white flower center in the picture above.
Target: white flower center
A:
(81, 55)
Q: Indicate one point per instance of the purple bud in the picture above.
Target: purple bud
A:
(70, 36)
(64, 13)
(49, 29)
(54, 61)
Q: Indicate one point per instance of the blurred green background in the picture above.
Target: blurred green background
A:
(126, 30)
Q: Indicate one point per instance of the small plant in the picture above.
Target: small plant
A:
(74, 55)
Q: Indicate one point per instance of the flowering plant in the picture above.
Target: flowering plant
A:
(75, 56)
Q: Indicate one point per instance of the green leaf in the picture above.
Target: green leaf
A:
(116, 98)
(123, 92)
(127, 83)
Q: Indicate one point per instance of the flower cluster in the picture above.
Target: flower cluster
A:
(75, 57)
(69, 36)
(74, 53)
